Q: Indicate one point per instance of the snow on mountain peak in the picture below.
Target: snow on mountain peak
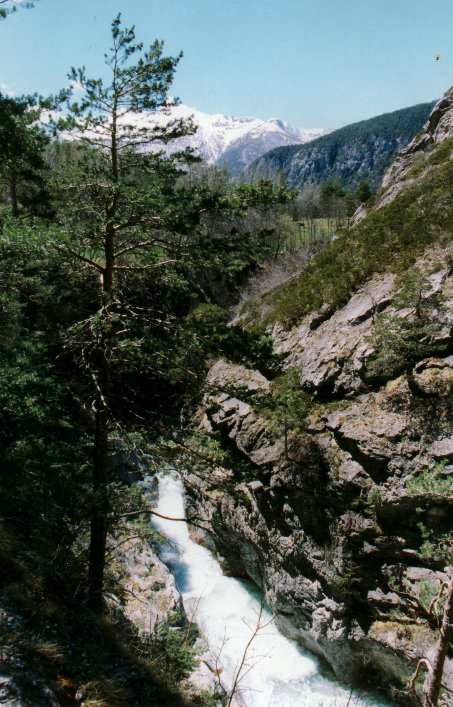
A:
(235, 142)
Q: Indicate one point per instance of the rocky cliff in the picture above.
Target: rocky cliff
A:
(428, 148)
(335, 493)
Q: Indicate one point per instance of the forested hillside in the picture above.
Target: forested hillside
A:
(358, 152)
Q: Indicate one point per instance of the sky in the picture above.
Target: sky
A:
(314, 63)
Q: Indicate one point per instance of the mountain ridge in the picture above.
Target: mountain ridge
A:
(356, 152)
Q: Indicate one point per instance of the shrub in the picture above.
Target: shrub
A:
(431, 482)
(399, 339)
(347, 583)
(437, 549)
(172, 650)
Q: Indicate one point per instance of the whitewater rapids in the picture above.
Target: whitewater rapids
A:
(276, 671)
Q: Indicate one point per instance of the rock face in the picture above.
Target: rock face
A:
(418, 157)
(343, 519)
(330, 352)
(438, 127)
(151, 597)
(330, 530)
(150, 590)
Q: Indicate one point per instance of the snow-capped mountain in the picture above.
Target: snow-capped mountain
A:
(235, 142)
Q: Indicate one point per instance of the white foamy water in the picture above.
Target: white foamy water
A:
(276, 671)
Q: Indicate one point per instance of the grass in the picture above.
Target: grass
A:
(317, 229)
(389, 239)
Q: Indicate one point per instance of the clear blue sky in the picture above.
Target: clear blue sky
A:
(315, 63)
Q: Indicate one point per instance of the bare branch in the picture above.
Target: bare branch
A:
(144, 511)
(81, 257)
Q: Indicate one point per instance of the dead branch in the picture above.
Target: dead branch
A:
(192, 520)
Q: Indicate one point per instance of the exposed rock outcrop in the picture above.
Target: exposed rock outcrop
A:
(344, 519)
(330, 351)
(417, 157)
(150, 593)
(328, 531)
(438, 127)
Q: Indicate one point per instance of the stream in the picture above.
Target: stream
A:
(275, 671)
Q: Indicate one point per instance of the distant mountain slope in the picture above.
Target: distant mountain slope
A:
(234, 142)
(360, 151)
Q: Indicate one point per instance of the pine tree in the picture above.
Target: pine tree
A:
(22, 161)
(116, 211)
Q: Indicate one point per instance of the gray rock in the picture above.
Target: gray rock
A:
(333, 354)
(443, 448)
(438, 127)
(336, 518)
(151, 595)
(255, 486)
(223, 374)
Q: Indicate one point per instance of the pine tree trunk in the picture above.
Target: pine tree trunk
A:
(101, 476)
(13, 195)
(101, 505)
(99, 518)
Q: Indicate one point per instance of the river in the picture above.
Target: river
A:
(276, 671)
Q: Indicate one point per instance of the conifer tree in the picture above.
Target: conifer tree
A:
(115, 207)
(22, 162)
(127, 214)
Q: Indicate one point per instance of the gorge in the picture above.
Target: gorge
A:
(345, 521)
(226, 402)
(255, 665)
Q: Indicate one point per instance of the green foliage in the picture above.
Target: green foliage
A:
(332, 188)
(210, 325)
(172, 242)
(206, 447)
(437, 549)
(372, 500)
(426, 591)
(172, 651)
(442, 153)
(389, 240)
(289, 405)
(22, 162)
(203, 451)
(399, 340)
(363, 192)
(347, 583)
(431, 482)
